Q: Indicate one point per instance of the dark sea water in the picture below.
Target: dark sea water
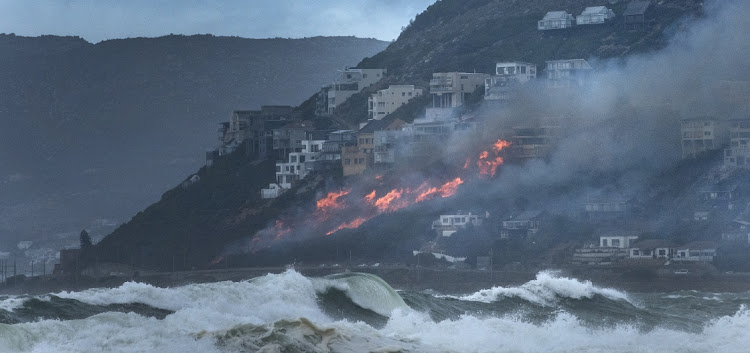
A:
(354, 312)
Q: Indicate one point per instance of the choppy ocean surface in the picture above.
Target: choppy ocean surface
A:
(354, 312)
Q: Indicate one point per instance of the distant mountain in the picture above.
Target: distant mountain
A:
(99, 131)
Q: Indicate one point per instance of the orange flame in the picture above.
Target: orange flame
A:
(280, 229)
(349, 225)
(500, 145)
(467, 164)
(388, 202)
(371, 196)
(449, 189)
(330, 202)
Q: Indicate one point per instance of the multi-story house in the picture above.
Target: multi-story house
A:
(348, 82)
(507, 75)
(701, 135)
(449, 90)
(386, 101)
(526, 223)
(255, 128)
(555, 20)
(356, 159)
(296, 167)
(533, 140)
(737, 155)
(595, 15)
(567, 73)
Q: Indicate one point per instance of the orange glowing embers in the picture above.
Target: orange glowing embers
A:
(488, 164)
(330, 202)
(280, 230)
(446, 190)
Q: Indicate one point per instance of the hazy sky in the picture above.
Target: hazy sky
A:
(97, 20)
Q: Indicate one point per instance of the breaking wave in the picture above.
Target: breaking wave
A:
(352, 312)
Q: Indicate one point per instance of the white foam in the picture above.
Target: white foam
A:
(546, 289)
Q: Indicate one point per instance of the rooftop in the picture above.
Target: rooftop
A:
(653, 244)
(637, 7)
(556, 15)
(594, 10)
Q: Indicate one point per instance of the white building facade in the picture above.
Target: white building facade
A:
(386, 101)
(594, 15)
(507, 75)
(350, 81)
(450, 90)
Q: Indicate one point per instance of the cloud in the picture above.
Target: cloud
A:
(106, 19)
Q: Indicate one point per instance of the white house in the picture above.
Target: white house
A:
(386, 101)
(348, 82)
(555, 20)
(652, 249)
(294, 168)
(449, 224)
(507, 75)
(567, 73)
(697, 251)
(594, 15)
(620, 241)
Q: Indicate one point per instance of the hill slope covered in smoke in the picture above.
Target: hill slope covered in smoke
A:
(98, 131)
(620, 141)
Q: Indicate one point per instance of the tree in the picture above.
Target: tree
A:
(85, 241)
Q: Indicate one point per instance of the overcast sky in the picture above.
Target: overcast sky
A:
(97, 20)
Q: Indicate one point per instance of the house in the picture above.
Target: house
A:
(594, 15)
(652, 249)
(697, 251)
(737, 155)
(296, 167)
(357, 158)
(450, 90)
(620, 240)
(555, 20)
(254, 128)
(446, 225)
(348, 82)
(636, 13)
(701, 135)
(507, 76)
(288, 138)
(386, 140)
(386, 101)
(533, 140)
(526, 223)
(721, 192)
(424, 135)
(606, 208)
(567, 73)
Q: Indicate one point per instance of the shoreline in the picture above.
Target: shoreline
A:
(446, 281)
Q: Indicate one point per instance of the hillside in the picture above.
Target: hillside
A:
(452, 35)
(92, 133)
(472, 35)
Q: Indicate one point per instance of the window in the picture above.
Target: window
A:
(364, 75)
(361, 161)
(347, 161)
(636, 252)
(403, 94)
(604, 243)
(662, 252)
(464, 77)
(615, 242)
(278, 169)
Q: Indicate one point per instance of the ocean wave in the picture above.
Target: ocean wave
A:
(546, 289)
(365, 290)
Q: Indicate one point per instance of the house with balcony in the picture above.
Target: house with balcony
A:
(348, 82)
(697, 251)
(449, 224)
(607, 208)
(533, 140)
(594, 15)
(567, 73)
(450, 90)
(612, 247)
(508, 76)
(702, 135)
(737, 155)
(254, 128)
(523, 224)
(555, 20)
(361, 156)
(295, 168)
(386, 101)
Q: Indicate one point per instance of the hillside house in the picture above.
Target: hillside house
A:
(422, 136)
(701, 135)
(567, 73)
(620, 240)
(449, 224)
(722, 192)
(288, 138)
(386, 101)
(594, 15)
(386, 140)
(449, 90)
(348, 82)
(555, 20)
(606, 208)
(507, 76)
(255, 126)
(697, 251)
(357, 158)
(652, 249)
(296, 167)
(611, 248)
(526, 223)
(636, 14)
(533, 140)
(737, 155)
